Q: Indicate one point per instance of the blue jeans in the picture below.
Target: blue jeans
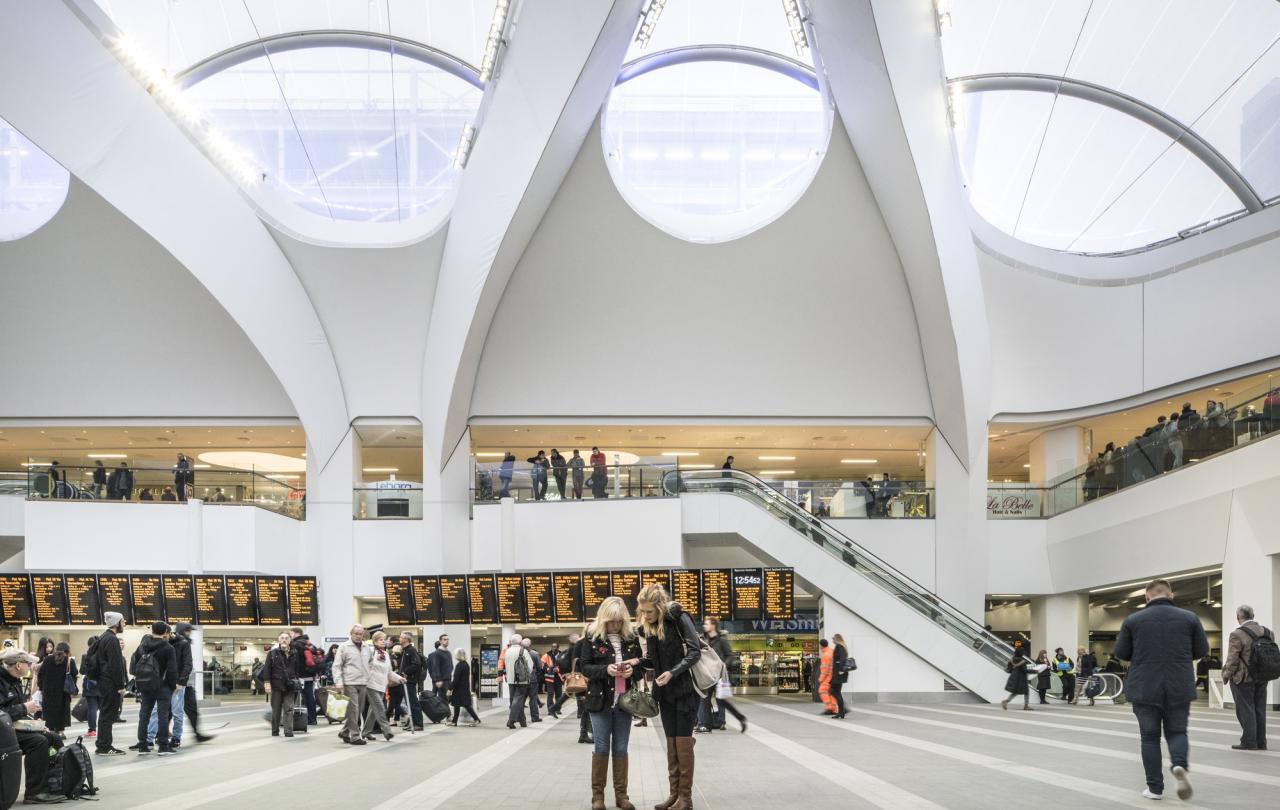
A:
(1173, 719)
(176, 706)
(611, 729)
(149, 707)
(91, 703)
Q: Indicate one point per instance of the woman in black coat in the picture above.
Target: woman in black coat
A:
(460, 690)
(840, 658)
(55, 703)
(672, 648)
(1017, 683)
(1043, 676)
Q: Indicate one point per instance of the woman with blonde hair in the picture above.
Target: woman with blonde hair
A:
(460, 690)
(671, 649)
(609, 657)
(375, 689)
(839, 657)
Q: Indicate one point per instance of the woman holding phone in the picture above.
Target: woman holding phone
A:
(609, 658)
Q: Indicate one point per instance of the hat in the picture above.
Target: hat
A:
(159, 629)
(13, 656)
(182, 628)
(112, 618)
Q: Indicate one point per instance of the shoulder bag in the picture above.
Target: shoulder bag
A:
(708, 670)
(575, 683)
(69, 682)
(638, 702)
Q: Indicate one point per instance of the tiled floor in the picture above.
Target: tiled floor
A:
(891, 756)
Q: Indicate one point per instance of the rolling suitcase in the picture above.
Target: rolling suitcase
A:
(300, 719)
(433, 706)
(10, 763)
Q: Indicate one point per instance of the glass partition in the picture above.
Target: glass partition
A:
(271, 491)
(387, 500)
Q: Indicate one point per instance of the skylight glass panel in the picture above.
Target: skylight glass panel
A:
(33, 186)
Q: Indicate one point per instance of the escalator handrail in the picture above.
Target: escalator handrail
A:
(710, 477)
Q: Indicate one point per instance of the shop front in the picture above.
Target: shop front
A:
(772, 657)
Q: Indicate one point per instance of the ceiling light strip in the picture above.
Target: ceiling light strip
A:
(493, 44)
(649, 22)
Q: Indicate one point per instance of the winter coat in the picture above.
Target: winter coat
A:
(1160, 643)
(412, 665)
(280, 669)
(110, 658)
(55, 703)
(1017, 682)
(351, 665)
(182, 657)
(595, 657)
(166, 662)
(440, 665)
(460, 689)
(379, 669)
(673, 654)
(838, 659)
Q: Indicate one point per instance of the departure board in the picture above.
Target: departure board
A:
(426, 600)
(510, 598)
(686, 588)
(83, 606)
(482, 597)
(537, 599)
(779, 593)
(179, 599)
(116, 595)
(211, 600)
(625, 584)
(273, 607)
(453, 600)
(716, 593)
(15, 596)
(658, 576)
(748, 596)
(567, 587)
(148, 601)
(596, 587)
(49, 597)
(399, 594)
(304, 609)
(242, 600)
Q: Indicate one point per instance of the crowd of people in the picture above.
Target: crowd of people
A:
(569, 472)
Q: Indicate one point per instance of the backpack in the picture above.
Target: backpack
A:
(523, 670)
(92, 666)
(146, 675)
(313, 660)
(1264, 657)
(71, 772)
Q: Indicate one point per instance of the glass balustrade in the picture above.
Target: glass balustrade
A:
(387, 500)
(862, 562)
(273, 492)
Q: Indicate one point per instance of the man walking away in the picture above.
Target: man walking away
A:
(519, 668)
(440, 667)
(1160, 643)
(551, 678)
(535, 680)
(106, 666)
(413, 670)
(155, 675)
(351, 674)
(1253, 660)
(1086, 665)
(184, 699)
(310, 663)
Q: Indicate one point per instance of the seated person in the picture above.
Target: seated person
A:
(15, 665)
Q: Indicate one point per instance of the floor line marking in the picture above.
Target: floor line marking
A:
(1201, 715)
(1087, 787)
(871, 789)
(204, 753)
(444, 785)
(1130, 721)
(1005, 717)
(1212, 770)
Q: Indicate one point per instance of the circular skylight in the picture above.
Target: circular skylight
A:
(710, 151)
(33, 186)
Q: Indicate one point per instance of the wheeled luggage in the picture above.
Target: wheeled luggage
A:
(433, 706)
(10, 763)
(300, 718)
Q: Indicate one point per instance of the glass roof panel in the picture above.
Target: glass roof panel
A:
(750, 23)
(33, 186)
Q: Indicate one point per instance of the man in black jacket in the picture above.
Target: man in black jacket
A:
(440, 667)
(413, 670)
(184, 699)
(108, 664)
(155, 674)
(15, 665)
(1160, 643)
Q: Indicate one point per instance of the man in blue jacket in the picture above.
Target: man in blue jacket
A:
(1161, 642)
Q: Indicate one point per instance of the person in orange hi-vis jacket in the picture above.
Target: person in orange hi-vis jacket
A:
(825, 669)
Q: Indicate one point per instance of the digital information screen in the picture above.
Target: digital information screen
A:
(179, 599)
(304, 607)
(660, 576)
(426, 600)
(567, 587)
(510, 598)
(482, 596)
(453, 600)
(596, 587)
(15, 597)
(211, 600)
(538, 604)
(779, 593)
(242, 600)
(748, 594)
(148, 601)
(716, 593)
(626, 584)
(399, 593)
(273, 607)
(116, 595)
(50, 598)
(686, 588)
(83, 606)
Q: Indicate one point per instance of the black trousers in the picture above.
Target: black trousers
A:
(560, 478)
(109, 705)
(191, 708)
(1251, 711)
(35, 747)
(837, 693)
(1042, 691)
(160, 703)
(677, 720)
(457, 711)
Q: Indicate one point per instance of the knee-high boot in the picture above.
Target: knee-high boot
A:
(599, 774)
(684, 752)
(620, 798)
(673, 776)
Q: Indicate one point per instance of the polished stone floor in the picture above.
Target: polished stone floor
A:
(882, 755)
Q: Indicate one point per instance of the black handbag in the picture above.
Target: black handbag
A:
(638, 702)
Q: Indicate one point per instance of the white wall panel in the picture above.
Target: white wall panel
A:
(11, 516)
(385, 547)
(907, 545)
(87, 536)
(886, 670)
(605, 314)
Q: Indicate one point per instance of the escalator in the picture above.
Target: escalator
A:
(720, 501)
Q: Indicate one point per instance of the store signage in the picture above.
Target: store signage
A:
(1013, 503)
(574, 597)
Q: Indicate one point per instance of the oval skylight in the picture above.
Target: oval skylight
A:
(33, 186)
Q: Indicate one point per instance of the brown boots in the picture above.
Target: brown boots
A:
(599, 770)
(620, 797)
(679, 773)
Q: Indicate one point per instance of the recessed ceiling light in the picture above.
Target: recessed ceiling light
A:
(380, 469)
(775, 458)
(680, 453)
(697, 466)
(777, 472)
(1026, 466)
(857, 461)
(107, 455)
(490, 455)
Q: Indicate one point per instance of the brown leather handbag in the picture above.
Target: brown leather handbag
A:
(575, 683)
